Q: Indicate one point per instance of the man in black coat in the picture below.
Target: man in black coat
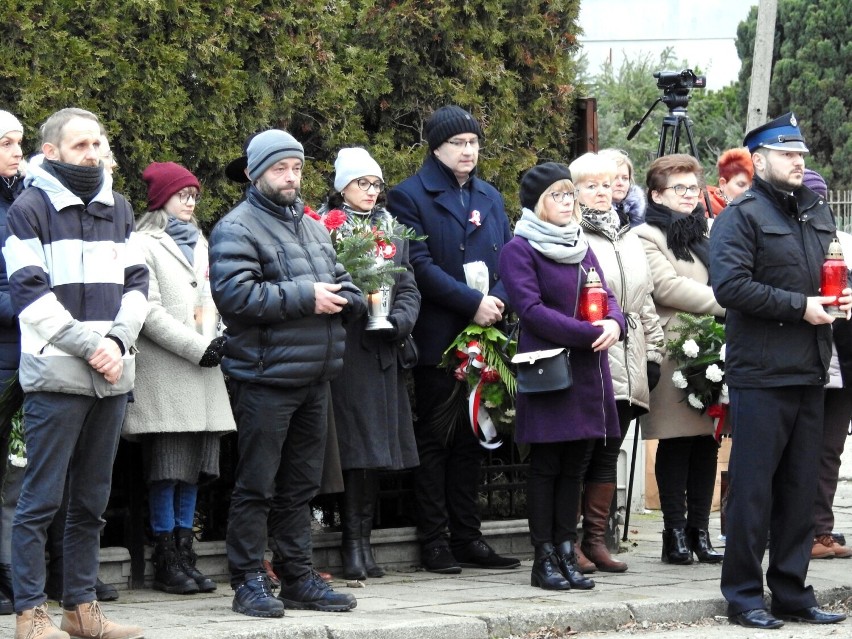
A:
(766, 255)
(464, 221)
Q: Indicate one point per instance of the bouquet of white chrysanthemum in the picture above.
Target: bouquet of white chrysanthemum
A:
(699, 352)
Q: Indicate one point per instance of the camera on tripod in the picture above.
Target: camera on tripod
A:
(676, 86)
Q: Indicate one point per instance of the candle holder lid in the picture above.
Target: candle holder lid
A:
(835, 251)
(593, 280)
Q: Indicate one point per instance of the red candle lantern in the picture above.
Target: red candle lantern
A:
(593, 304)
(834, 277)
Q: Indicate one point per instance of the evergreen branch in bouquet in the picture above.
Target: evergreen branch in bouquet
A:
(491, 341)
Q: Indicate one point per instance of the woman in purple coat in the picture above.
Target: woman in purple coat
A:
(543, 269)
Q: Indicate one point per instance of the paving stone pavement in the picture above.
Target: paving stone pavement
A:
(478, 604)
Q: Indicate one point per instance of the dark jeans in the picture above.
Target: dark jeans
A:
(838, 412)
(777, 438)
(686, 475)
(554, 483)
(281, 436)
(74, 437)
(603, 465)
(447, 481)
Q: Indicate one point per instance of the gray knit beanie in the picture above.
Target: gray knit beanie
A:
(269, 147)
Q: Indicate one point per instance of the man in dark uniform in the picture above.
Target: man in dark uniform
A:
(766, 254)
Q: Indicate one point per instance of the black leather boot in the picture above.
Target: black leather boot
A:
(545, 570)
(675, 549)
(188, 559)
(350, 525)
(368, 507)
(6, 597)
(567, 559)
(168, 572)
(699, 542)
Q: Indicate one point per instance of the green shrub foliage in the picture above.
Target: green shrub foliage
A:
(189, 80)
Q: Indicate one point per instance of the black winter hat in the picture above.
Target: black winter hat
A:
(537, 179)
(449, 121)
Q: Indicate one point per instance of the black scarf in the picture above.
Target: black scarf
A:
(684, 233)
(10, 187)
(82, 181)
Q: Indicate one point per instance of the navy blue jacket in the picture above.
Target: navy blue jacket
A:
(766, 255)
(431, 202)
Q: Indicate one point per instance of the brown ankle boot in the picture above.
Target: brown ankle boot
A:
(596, 503)
(583, 563)
(87, 620)
(36, 623)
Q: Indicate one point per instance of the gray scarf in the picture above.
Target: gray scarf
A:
(185, 235)
(564, 244)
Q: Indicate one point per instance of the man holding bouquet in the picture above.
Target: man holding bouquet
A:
(465, 224)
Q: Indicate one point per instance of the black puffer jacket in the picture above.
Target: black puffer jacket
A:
(264, 261)
(766, 254)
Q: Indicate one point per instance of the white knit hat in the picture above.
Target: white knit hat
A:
(9, 123)
(353, 163)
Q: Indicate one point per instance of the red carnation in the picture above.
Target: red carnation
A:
(334, 219)
(311, 213)
(490, 376)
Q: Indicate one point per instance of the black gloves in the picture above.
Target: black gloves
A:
(213, 355)
(653, 375)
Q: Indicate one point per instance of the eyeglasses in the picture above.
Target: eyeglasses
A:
(462, 144)
(563, 197)
(184, 196)
(681, 189)
(364, 184)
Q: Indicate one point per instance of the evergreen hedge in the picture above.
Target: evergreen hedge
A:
(189, 80)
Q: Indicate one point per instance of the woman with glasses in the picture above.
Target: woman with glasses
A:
(634, 362)
(628, 200)
(543, 269)
(180, 407)
(372, 413)
(675, 239)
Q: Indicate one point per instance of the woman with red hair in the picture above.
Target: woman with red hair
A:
(735, 175)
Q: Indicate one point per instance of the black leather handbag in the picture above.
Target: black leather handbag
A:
(548, 370)
(543, 371)
(407, 352)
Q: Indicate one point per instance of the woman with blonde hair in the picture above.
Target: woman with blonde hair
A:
(543, 269)
(634, 362)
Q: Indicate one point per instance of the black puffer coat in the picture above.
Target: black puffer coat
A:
(264, 261)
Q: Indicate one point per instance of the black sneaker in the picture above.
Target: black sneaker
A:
(310, 592)
(439, 559)
(254, 597)
(478, 554)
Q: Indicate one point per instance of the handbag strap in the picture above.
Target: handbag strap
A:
(516, 329)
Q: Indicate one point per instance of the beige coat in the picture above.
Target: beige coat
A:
(173, 393)
(679, 286)
(626, 272)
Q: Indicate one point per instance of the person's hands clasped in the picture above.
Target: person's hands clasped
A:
(326, 301)
(490, 311)
(610, 335)
(107, 360)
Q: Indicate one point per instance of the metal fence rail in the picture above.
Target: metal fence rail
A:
(841, 205)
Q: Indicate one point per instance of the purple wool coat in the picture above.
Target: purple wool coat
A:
(544, 293)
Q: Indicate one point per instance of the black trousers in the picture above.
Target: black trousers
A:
(447, 481)
(686, 474)
(838, 412)
(554, 484)
(777, 437)
(281, 436)
(603, 465)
